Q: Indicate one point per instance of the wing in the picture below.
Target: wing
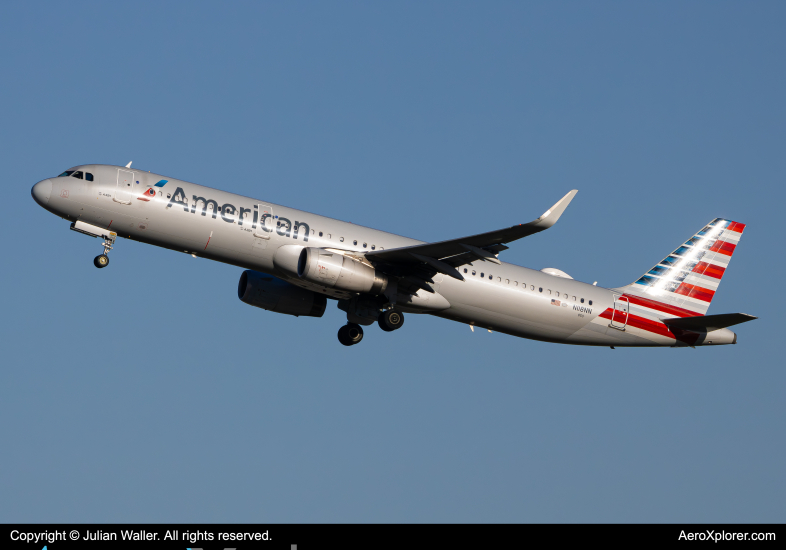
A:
(419, 262)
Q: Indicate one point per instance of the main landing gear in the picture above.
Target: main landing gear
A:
(102, 260)
(352, 333)
(390, 320)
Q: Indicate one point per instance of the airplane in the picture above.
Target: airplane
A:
(295, 261)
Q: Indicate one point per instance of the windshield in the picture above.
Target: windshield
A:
(77, 174)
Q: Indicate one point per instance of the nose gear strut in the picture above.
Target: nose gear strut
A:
(109, 237)
(102, 260)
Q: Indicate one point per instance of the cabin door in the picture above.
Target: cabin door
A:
(125, 187)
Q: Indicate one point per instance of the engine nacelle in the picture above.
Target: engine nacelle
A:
(287, 258)
(273, 294)
(334, 270)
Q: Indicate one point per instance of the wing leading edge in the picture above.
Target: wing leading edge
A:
(445, 256)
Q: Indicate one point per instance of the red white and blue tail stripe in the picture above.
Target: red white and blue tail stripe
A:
(684, 282)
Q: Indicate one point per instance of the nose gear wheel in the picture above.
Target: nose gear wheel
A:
(101, 261)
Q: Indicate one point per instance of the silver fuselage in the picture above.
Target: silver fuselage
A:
(220, 226)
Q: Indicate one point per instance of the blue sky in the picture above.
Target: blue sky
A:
(148, 392)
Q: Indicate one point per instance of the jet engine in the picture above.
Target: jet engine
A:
(273, 294)
(334, 270)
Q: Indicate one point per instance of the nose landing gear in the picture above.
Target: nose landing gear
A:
(102, 260)
(350, 334)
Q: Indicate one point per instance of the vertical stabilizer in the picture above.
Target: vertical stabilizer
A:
(686, 280)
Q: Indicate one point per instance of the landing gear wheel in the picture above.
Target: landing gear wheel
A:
(350, 334)
(343, 337)
(101, 261)
(391, 320)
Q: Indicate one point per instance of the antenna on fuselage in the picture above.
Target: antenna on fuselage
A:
(129, 164)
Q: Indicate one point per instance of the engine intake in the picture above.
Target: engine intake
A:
(273, 294)
(334, 270)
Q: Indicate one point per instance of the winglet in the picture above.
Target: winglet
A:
(551, 215)
(129, 164)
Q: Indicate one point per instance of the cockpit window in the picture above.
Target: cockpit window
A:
(77, 175)
(66, 173)
(88, 176)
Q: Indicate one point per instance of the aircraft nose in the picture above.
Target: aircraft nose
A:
(41, 191)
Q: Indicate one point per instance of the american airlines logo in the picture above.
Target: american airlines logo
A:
(151, 192)
(231, 214)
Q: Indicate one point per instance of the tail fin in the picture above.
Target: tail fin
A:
(687, 279)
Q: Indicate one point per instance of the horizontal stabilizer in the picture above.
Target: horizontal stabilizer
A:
(708, 323)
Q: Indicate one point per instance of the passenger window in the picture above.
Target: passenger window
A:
(557, 293)
(329, 236)
(574, 298)
(532, 287)
(88, 176)
(540, 289)
(482, 274)
(341, 239)
(507, 281)
(515, 283)
(549, 291)
(373, 246)
(499, 279)
(355, 243)
(465, 270)
(77, 175)
(473, 271)
(582, 300)
(320, 233)
(365, 245)
(490, 277)
(590, 302)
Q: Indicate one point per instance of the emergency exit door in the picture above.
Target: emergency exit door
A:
(263, 225)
